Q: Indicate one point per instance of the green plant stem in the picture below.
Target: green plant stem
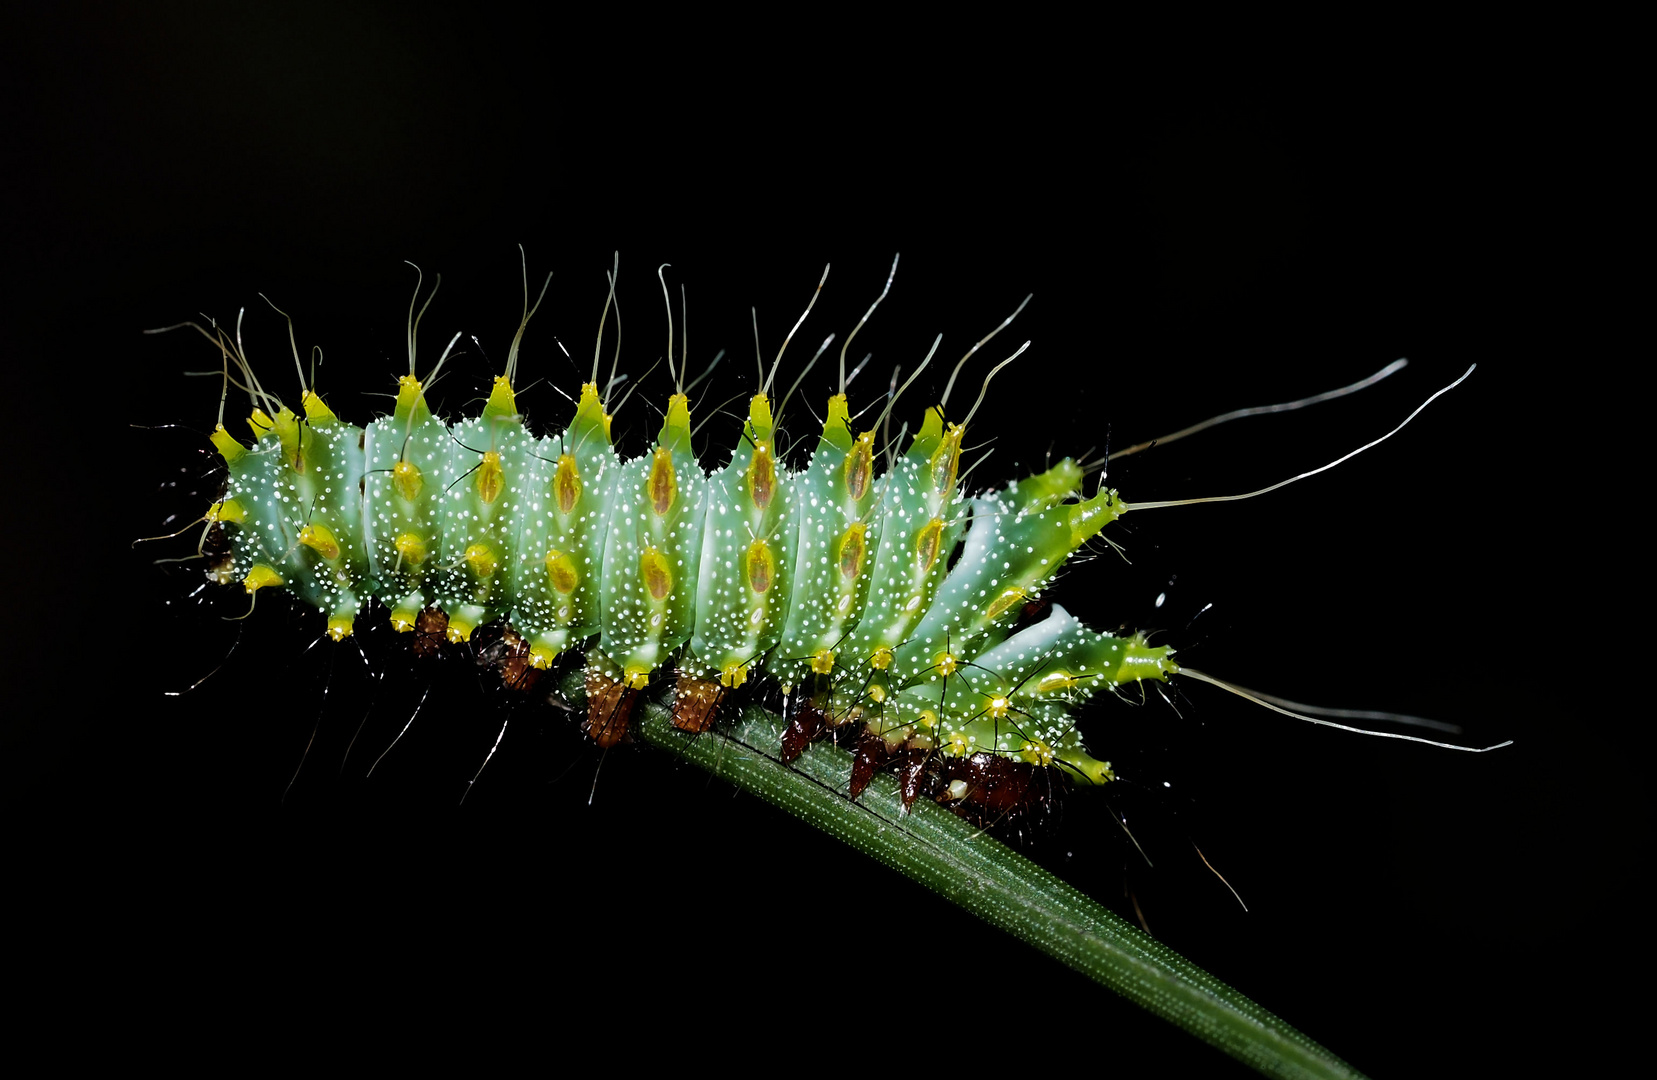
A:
(946, 854)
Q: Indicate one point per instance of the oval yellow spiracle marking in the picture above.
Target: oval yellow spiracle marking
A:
(852, 548)
(411, 548)
(1001, 604)
(483, 560)
(491, 479)
(926, 544)
(655, 574)
(561, 570)
(762, 477)
(946, 460)
(663, 485)
(406, 478)
(1055, 681)
(860, 466)
(566, 486)
(760, 565)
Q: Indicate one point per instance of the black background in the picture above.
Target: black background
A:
(1189, 252)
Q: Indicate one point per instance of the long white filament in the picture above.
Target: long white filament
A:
(1265, 704)
(1312, 472)
(1263, 410)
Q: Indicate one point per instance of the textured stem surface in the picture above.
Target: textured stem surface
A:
(950, 856)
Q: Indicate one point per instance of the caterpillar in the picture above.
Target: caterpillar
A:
(223, 542)
(888, 603)
(837, 579)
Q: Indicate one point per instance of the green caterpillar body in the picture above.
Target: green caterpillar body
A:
(842, 583)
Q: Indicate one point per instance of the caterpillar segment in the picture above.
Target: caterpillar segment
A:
(653, 556)
(294, 496)
(748, 541)
(560, 599)
(838, 527)
(407, 467)
(891, 603)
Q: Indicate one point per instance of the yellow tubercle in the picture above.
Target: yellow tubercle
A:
(288, 430)
(226, 445)
(459, 629)
(926, 439)
(822, 662)
(1099, 772)
(1090, 515)
(678, 412)
(734, 674)
(315, 409)
(340, 626)
(759, 418)
(882, 659)
(320, 540)
(1036, 753)
(1143, 661)
(411, 400)
(260, 423)
(228, 510)
(260, 576)
(403, 619)
(501, 401)
(839, 415)
(589, 414)
(637, 678)
(542, 656)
